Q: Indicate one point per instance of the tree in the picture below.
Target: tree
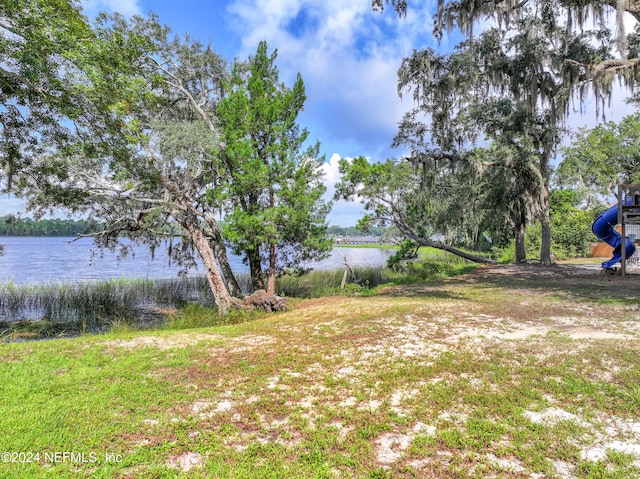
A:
(272, 186)
(391, 194)
(150, 155)
(40, 45)
(540, 59)
(510, 182)
(146, 154)
(571, 223)
(601, 158)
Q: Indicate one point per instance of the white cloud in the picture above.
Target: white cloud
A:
(343, 213)
(331, 170)
(348, 56)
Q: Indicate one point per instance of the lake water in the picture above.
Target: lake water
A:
(50, 259)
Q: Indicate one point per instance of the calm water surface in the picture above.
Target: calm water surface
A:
(29, 260)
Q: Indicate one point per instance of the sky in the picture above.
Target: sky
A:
(347, 54)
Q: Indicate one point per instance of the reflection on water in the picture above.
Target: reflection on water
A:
(28, 259)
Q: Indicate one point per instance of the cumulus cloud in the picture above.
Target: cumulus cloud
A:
(348, 56)
(331, 170)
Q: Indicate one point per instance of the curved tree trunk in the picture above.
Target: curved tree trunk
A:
(229, 277)
(221, 254)
(450, 249)
(221, 296)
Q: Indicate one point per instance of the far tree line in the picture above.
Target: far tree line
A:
(11, 225)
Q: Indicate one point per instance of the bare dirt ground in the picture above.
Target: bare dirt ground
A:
(508, 371)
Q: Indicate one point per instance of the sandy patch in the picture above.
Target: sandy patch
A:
(186, 461)
(553, 416)
(206, 409)
(506, 464)
(176, 340)
(618, 435)
(390, 446)
(599, 453)
(250, 342)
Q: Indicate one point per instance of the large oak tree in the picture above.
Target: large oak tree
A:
(526, 74)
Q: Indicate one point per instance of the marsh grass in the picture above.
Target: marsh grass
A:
(50, 309)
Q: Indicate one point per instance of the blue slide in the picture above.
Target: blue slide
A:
(604, 229)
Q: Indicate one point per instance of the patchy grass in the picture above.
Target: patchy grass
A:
(503, 372)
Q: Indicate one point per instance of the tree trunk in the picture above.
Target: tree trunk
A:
(271, 274)
(255, 268)
(450, 249)
(221, 254)
(545, 222)
(521, 253)
(545, 209)
(221, 296)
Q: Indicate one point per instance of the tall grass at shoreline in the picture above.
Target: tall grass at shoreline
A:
(52, 309)
(115, 297)
(58, 309)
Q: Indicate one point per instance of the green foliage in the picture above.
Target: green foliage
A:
(389, 191)
(317, 284)
(393, 194)
(407, 252)
(272, 187)
(571, 234)
(41, 49)
(602, 157)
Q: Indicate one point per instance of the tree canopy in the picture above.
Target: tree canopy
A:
(601, 158)
(513, 82)
(272, 186)
(148, 150)
(43, 44)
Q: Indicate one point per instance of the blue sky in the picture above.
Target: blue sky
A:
(347, 54)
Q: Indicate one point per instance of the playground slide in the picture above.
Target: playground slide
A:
(604, 229)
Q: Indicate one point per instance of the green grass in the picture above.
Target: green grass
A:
(427, 380)
(320, 283)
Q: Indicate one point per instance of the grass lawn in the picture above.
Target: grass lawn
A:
(505, 372)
